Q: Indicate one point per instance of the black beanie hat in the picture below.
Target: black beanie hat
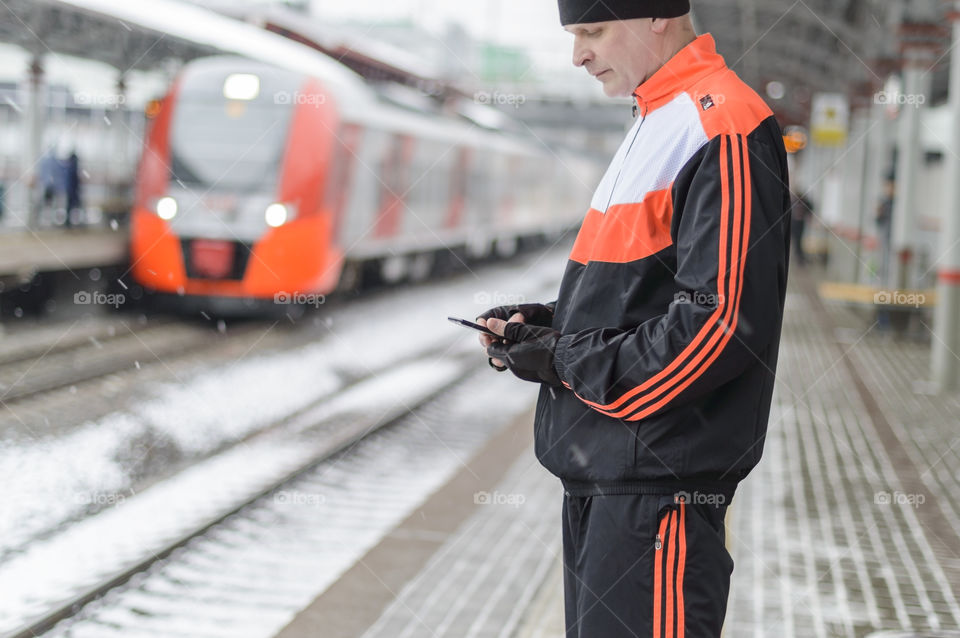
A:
(587, 11)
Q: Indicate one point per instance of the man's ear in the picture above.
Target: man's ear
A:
(659, 25)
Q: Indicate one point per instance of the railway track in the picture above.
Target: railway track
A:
(75, 359)
(30, 341)
(343, 424)
(339, 354)
(50, 357)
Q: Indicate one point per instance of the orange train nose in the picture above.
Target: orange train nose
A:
(296, 257)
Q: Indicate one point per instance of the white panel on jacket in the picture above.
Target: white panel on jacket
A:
(652, 154)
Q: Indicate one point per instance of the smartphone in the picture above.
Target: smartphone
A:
(475, 326)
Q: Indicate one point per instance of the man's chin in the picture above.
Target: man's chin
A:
(612, 90)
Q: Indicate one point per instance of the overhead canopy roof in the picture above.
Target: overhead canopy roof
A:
(43, 27)
(845, 46)
(142, 35)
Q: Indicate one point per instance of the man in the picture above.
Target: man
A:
(801, 211)
(657, 360)
(73, 188)
(884, 221)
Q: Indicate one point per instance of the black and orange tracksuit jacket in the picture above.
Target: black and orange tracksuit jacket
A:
(672, 299)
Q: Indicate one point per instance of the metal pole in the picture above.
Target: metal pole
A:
(117, 170)
(915, 93)
(877, 165)
(946, 342)
(855, 173)
(34, 138)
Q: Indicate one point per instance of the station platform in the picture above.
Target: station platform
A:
(24, 253)
(849, 526)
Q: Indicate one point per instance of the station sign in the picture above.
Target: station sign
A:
(830, 119)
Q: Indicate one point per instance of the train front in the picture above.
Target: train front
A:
(230, 209)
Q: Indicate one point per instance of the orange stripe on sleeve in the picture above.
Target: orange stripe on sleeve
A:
(662, 381)
(731, 302)
(728, 330)
(729, 326)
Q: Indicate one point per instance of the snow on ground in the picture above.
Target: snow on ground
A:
(55, 479)
(251, 574)
(51, 482)
(68, 563)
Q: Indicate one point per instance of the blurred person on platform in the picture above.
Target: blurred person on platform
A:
(51, 178)
(656, 363)
(884, 222)
(801, 212)
(73, 187)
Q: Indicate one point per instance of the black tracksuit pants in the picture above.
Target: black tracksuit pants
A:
(644, 566)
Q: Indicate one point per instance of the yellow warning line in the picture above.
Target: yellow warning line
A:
(874, 296)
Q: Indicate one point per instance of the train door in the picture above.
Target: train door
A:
(341, 177)
(395, 180)
(458, 189)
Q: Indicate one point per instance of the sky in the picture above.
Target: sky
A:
(517, 21)
(531, 24)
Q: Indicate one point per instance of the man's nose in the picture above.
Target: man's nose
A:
(581, 54)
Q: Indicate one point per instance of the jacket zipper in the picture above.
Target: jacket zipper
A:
(625, 156)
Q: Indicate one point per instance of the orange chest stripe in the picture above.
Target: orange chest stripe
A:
(627, 232)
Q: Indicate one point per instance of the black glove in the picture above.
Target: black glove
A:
(529, 355)
(536, 314)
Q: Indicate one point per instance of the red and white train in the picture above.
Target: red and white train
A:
(266, 183)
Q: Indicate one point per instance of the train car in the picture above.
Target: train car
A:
(264, 183)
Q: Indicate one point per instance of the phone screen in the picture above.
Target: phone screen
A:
(475, 326)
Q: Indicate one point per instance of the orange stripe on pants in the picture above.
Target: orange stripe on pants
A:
(681, 562)
(671, 556)
(658, 580)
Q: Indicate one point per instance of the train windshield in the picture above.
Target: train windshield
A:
(226, 144)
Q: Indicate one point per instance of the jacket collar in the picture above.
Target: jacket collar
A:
(691, 64)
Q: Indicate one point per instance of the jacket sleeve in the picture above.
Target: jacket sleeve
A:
(731, 239)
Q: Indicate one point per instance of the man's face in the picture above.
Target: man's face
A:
(621, 54)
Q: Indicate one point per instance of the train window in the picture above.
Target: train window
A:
(215, 143)
(340, 178)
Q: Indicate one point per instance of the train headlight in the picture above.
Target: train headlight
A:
(241, 86)
(277, 215)
(167, 208)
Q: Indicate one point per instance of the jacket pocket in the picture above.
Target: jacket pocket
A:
(635, 445)
(666, 506)
(669, 562)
